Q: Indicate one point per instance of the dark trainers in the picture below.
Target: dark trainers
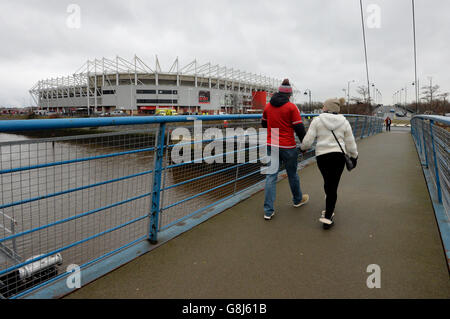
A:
(305, 199)
(269, 217)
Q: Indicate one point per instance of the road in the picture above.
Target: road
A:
(385, 111)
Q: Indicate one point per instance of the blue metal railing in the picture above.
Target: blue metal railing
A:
(431, 135)
(85, 198)
(432, 138)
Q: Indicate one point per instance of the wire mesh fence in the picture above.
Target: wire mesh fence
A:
(432, 138)
(67, 197)
(78, 199)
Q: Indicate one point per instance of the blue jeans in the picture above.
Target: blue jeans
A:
(289, 158)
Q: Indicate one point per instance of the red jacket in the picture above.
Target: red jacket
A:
(283, 118)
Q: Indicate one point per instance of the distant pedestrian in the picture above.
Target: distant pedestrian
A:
(388, 123)
(330, 159)
(284, 117)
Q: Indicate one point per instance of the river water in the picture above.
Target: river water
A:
(37, 183)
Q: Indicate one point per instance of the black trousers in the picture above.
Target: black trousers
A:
(388, 127)
(331, 166)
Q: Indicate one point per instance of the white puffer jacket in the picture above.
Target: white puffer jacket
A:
(321, 127)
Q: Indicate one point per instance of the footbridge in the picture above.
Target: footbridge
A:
(106, 204)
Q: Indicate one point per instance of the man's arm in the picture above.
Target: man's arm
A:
(264, 123)
(264, 119)
(300, 131)
(297, 122)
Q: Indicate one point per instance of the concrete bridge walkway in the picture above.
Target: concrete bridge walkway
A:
(384, 216)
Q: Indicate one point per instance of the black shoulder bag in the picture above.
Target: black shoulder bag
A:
(350, 162)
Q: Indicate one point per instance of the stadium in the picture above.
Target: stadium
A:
(133, 87)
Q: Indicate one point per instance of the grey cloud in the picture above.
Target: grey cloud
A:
(317, 44)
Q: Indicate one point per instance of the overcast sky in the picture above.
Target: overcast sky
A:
(317, 44)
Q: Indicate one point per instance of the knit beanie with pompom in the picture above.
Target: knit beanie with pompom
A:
(334, 105)
(285, 87)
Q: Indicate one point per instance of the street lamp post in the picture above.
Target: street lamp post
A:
(401, 102)
(308, 92)
(373, 85)
(348, 95)
(415, 91)
(406, 95)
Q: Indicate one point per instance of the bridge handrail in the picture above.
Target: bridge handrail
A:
(47, 124)
(132, 186)
(438, 118)
(433, 145)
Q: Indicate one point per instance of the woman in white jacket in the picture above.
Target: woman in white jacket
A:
(330, 159)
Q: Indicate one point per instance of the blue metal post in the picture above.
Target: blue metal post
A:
(356, 126)
(364, 127)
(156, 191)
(417, 136)
(424, 145)
(436, 168)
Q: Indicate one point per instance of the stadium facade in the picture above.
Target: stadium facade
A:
(105, 85)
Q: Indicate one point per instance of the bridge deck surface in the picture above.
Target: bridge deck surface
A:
(384, 216)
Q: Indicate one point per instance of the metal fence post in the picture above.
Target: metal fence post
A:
(156, 191)
(424, 145)
(436, 168)
(415, 133)
(416, 129)
(364, 127)
(355, 129)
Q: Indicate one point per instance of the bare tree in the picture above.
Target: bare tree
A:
(356, 99)
(362, 90)
(443, 96)
(428, 92)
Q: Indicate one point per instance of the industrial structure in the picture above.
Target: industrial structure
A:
(105, 85)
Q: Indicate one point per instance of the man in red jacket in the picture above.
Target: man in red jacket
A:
(388, 123)
(282, 118)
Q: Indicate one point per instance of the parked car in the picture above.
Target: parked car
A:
(118, 113)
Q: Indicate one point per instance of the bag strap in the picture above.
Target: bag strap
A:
(338, 142)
